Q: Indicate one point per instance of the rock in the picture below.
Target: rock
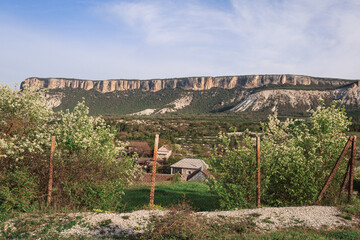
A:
(190, 83)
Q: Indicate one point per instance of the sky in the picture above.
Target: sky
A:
(140, 39)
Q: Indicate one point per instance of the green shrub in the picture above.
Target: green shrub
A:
(18, 191)
(297, 157)
(175, 178)
(234, 166)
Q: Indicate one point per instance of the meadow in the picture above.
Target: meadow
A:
(167, 194)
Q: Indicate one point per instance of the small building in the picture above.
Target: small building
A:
(141, 148)
(187, 166)
(164, 153)
(199, 175)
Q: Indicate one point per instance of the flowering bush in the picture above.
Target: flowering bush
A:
(23, 119)
(297, 156)
(90, 167)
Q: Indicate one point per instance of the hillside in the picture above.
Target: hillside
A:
(239, 95)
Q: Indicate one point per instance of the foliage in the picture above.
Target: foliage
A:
(23, 116)
(234, 166)
(297, 156)
(119, 103)
(18, 191)
(175, 178)
(91, 168)
(86, 152)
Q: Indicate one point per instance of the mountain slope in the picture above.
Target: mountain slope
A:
(261, 94)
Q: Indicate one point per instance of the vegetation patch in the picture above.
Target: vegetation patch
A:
(37, 226)
(296, 158)
(197, 194)
(181, 223)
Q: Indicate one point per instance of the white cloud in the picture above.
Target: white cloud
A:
(276, 36)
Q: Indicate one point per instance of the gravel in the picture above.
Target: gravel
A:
(275, 218)
(266, 219)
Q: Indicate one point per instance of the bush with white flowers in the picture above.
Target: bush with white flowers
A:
(90, 167)
(297, 156)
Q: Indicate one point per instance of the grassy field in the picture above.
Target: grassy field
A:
(166, 194)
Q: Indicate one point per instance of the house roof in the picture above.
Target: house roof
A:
(140, 145)
(164, 148)
(193, 163)
(207, 173)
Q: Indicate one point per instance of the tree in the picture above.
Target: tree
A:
(297, 156)
(24, 116)
(91, 168)
(88, 152)
(233, 164)
(23, 144)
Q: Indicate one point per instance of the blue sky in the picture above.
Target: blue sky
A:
(142, 39)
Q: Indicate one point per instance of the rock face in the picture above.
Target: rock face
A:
(275, 98)
(196, 95)
(190, 83)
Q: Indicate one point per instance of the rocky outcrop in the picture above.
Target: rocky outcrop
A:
(348, 96)
(54, 100)
(190, 83)
(274, 98)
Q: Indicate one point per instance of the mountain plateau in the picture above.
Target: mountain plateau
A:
(288, 94)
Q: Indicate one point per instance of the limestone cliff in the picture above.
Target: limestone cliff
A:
(287, 94)
(189, 83)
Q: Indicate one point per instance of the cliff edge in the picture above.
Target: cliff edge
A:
(189, 83)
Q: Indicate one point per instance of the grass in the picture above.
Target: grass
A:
(302, 233)
(352, 209)
(287, 234)
(166, 194)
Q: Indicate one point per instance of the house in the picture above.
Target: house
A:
(187, 166)
(199, 175)
(164, 153)
(141, 148)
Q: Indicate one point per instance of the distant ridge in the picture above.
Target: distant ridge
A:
(245, 95)
(187, 83)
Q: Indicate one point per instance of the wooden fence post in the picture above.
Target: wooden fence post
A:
(152, 190)
(327, 182)
(258, 178)
(352, 164)
(51, 170)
